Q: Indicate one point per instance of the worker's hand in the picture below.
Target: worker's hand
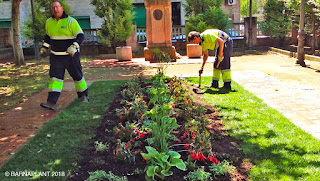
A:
(44, 51)
(220, 58)
(72, 50)
(201, 71)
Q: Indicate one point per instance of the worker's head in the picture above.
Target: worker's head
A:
(56, 9)
(194, 37)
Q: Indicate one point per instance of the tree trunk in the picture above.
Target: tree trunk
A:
(17, 48)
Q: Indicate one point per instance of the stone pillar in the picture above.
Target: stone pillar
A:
(159, 28)
(254, 30)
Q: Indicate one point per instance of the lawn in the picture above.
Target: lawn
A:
(57, 146)
(19, 83)
(279, 149)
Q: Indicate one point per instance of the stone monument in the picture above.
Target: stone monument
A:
(159, 28)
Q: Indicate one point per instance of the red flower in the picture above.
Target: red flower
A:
(141, 115)
(144, 159)
(193, 156)
(186, 146)
(185, 134)
(126, 145)
(127, 107)
(141, 135)
(138, 131)
(202, 157)
(213, 160)
(201, 142)
(193, 136)
(121, 117)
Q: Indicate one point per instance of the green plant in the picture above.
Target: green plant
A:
(204, 14)
(159, 164)
(101, 175)
(117, 16)
(100, 147)
(277, 22)
(198, 175)
(221, 168)
(161, 57)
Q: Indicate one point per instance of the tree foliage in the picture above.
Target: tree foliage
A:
(117, 16)
(244, 6)
(205, 14)
(277, 22)
(42, 11)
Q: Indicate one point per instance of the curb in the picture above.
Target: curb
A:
(294, 54)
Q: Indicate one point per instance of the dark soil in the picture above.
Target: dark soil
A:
(224, 146)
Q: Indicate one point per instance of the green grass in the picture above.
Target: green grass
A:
(57, 145)
(279, 149)
(18, 83)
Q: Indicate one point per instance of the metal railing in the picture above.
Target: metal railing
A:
(237, 30)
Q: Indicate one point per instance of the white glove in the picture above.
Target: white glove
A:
(43, 51)
(72, 50)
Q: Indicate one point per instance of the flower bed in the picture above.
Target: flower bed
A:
(156, 130)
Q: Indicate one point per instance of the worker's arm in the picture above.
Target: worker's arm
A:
(221, 46)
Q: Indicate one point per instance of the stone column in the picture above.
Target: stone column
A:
(254, 30)
(159, 28)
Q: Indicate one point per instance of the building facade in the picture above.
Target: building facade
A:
(83, 11)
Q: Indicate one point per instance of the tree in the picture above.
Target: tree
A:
(117, 16)
(244, 7)
(277, 22)
(42, 11)
(17, 47)
(205, 14)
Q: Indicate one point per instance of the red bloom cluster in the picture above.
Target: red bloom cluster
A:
(201, 157)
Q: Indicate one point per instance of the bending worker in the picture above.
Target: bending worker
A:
(64, 37)
(214, 39)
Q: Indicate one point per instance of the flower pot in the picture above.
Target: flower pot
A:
(124, 53)
(194, 50)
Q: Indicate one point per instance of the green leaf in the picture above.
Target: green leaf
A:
(151, 171)
(178, 163)
(151, 150)
(166, 173)
(165, 158)
(146, 156)
(174, 154)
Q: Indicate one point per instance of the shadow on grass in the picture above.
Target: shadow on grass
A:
(214, 91)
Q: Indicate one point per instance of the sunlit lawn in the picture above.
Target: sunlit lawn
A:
(279, 149)
(18, 83)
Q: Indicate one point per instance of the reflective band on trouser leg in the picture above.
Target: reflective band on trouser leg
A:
(80, 85)
(226, 75)
(216, 74)
(55, 85)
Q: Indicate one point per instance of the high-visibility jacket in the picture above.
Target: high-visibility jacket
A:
(209, 37)
(62, 34)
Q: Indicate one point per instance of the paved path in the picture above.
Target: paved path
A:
(292, 90)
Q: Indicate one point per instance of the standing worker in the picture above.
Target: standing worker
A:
(64, 37)
(214, 39)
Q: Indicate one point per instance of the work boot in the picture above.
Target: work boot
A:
(226, 86)
(49, 105)
(84, 99)
(215, 84)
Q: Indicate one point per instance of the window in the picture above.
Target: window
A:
(5, 23)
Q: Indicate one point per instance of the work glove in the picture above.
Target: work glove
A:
(220, 58)
(72, 50)
(44, 51)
